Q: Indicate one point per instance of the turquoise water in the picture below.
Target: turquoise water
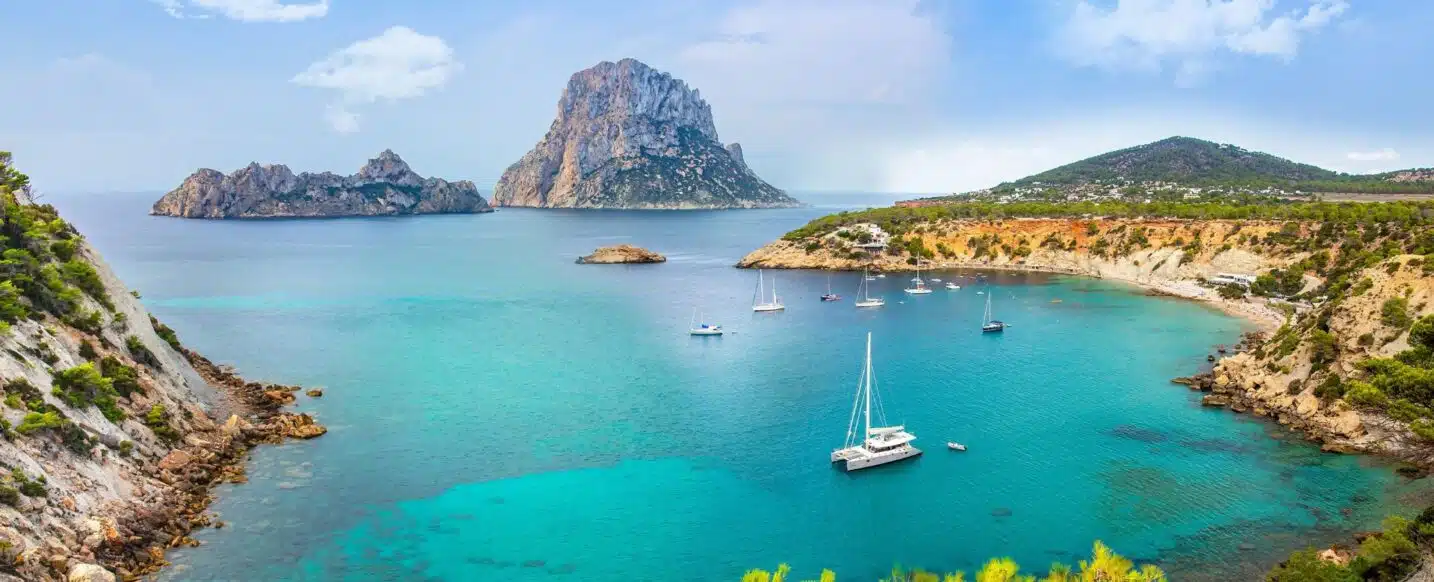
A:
(498, 412)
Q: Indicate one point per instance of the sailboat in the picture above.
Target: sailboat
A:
(695, 328)
(830, 296)
(987, 324)
(759, 300)
(863, 294)
(918, 286)
(878, 445)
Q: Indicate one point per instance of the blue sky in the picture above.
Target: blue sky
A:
(849, 95)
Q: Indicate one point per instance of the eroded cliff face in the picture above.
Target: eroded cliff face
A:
(112, 439)
(384, 186)
(629, 136)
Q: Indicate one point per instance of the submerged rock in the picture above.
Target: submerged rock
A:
(618, 254)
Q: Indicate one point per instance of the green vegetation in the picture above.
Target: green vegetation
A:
(40, 270)
(165, 333)
(124, 377)
(140, 352)
(1395, 313)
(83, 385)
(36, 421)
(899, 220)
(1104, 565)
(27, 486)
(1389, 555)
(158, 421)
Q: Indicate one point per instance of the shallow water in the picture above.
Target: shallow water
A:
(498, 412)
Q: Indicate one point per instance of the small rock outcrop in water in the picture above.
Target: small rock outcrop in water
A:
(384, 186)
(621, 254)
(629, 136)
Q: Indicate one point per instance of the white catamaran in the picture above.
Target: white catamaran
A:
(878, 445)
(759, 300)
(863, 294)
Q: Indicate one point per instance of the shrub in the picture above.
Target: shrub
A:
(87, 350)
(83, 385)
(1401, 409)
(1422, 333)
(166, 333)
(1331, 389)
(140, 352)
(11, 308)
(9, 495)
(1364, 395)
(86, 321)
(29, 487)
(158, 421)
(1231, 291)
(125, 378)
(1305, 566)
(1366, 339)
(63, 250)
(1322, 347)
(83, 275)
(35, 421)
(813, 246)
(125, 447)
(1395, 313)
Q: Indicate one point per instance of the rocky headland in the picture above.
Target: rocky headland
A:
(629, 136)
(384, 186)
(112, 434)
(620, 254)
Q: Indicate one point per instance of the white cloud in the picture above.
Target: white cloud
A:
(1384, 155)
(246, 10)
(806, 51)
(1149, 34)
(398, 64)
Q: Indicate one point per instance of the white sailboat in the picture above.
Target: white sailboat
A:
(987, 324)
(918, 287)
(759, 300)
(830, 296)
(878, 445)
(696, 327)
(863, 294)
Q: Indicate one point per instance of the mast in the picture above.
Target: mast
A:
(758, 295)
(867, 405)
(774, 289)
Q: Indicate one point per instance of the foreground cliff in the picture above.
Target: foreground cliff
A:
(628, 136)
(383, 186)
(111, 434)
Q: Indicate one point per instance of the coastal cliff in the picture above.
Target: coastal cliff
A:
(384, 186)
(1344, 293)
(112, 434)
(629, 136)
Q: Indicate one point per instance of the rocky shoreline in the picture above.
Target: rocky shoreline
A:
(133, 544)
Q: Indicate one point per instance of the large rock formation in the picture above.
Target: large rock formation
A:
(629, 136)
(619, 254)
(383, 186)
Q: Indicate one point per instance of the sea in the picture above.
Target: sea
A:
(498, 412)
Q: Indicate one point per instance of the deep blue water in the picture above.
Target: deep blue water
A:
(498, 412)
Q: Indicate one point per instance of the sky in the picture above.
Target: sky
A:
(909, 96)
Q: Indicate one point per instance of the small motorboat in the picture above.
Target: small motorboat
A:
(955, 446)
(831, 297)
(952, 286)
(935, 280)
(881, 275)
(980, 292)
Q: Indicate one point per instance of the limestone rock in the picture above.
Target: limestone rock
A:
(629, 136)
(89, 573)
(383, 186)
(175, 460)
(621, 254)
(299, 426)
(315, 393)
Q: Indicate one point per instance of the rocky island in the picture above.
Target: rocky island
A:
(620, 254)
(384, 186)
(112, 433)
(629, 136)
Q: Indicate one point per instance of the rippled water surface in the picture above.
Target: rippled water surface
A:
(501, 413)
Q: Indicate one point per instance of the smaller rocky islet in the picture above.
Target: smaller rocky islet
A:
(621, 254)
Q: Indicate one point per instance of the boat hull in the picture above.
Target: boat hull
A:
(765, 308)
(870, 303)
(917, 291)
(704, 332)
(869, 460)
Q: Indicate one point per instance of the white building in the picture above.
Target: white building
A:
(1232, 279)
